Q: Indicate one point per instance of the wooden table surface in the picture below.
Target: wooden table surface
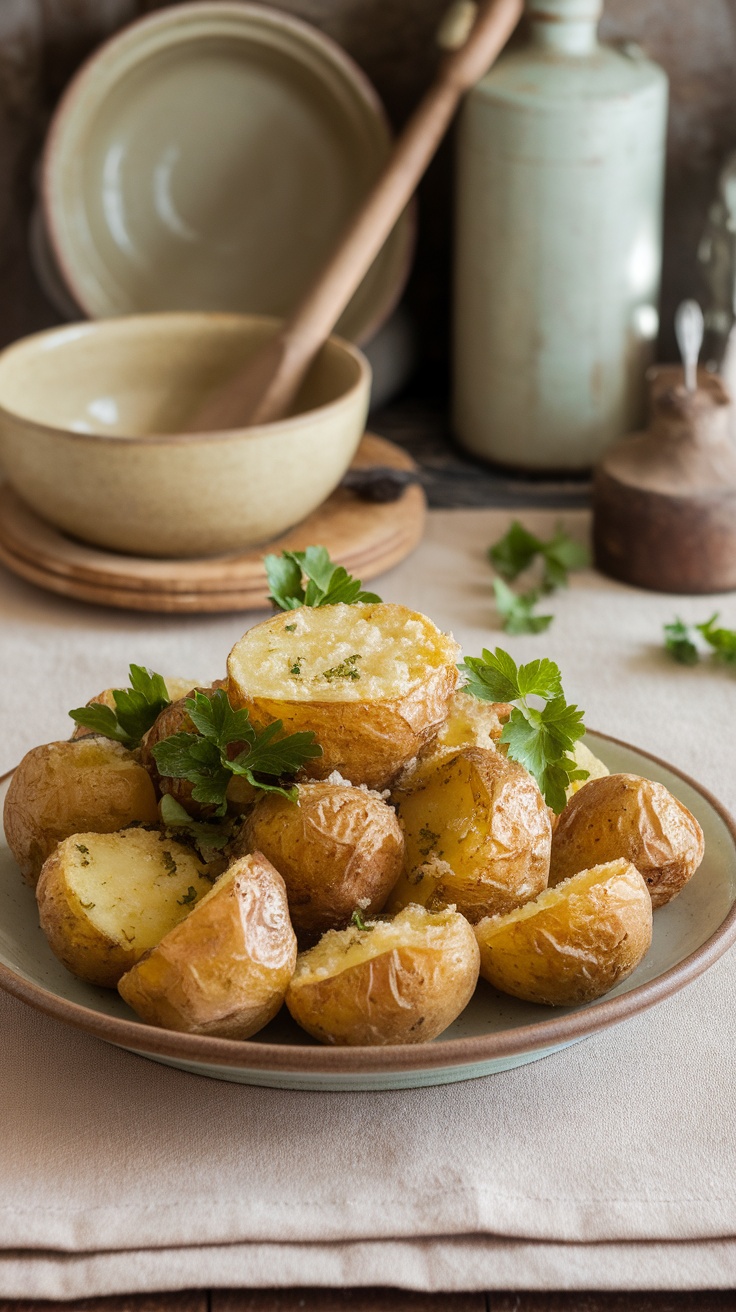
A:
(388, 1300)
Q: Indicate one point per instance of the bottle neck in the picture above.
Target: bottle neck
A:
(568, 27)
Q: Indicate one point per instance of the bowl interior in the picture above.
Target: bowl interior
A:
(209, 161)
(146, 374)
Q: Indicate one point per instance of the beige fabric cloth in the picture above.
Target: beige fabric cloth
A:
(612, 1164)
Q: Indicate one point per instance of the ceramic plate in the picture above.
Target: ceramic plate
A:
(207, 158)
(494, 1033)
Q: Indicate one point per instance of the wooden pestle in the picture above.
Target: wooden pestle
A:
(265, 388)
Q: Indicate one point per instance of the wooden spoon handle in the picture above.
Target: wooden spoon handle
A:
(266, 387)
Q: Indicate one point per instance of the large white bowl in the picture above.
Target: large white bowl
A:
(91, 420)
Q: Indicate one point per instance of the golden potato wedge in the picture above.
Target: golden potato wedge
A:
(623, 815)
(225, 969)
(105, 899)
(585, 760)
(472, 723)
(573, 942)
(398, 981)
(373, 681)
(339, 848)
(175, 719)
(175, 687)
(477, 835)
(71, 787)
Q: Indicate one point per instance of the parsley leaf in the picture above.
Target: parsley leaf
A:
(136, 708)
(518, 548)
(723, 641)
(514, 552)
(518, 610)
(679, 644)
(539, 738)
(202, 757)
(326, 583)
(207, 837)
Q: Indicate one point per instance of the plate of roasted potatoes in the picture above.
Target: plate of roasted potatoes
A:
(355, 860)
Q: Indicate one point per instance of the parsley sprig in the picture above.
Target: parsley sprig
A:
(326, 583)
(539, 738)
(514, 553)
(202, 757)
(136, 708)
(681, 647)
(208, 838)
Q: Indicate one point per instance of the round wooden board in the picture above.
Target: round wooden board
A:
(366, 537)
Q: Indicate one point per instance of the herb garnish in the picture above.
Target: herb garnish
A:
(357, 920)
(85, 856)
(296, 668)
(201, 757)
(207, 837)
(136, 709)
(170, 865)
(188, 897)
(290, 628)
(326, 583)
(347, 669)
(513, 554)
(681, 647)
(539, 739)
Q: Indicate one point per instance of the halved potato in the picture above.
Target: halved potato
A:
(574, 942)
(337, 849)
(175, 687)
(225, 969)
(472, 723)
(477, 834)
(398, 981)
(106, 899)
(175, 719)
(373, 681)
(623, 815)
(72, 787)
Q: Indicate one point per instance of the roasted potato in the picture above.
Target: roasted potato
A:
(574, 942)
(175, 719)
(399, 981)
(585, 760)
(175, 687)
(472, 723)
(225, 969)
(105, 899)
(477, 835)
(339, 848)
(71, 787)
(374, 682)
(622, 815)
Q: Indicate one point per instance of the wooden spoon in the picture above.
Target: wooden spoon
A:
(265, 388)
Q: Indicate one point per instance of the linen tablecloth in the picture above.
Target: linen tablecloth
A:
(610, 1165)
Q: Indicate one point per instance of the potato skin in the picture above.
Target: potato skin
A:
(407, 994)
(338, 849)
(224, 970)
(85, 785)
(623, 815)
(367, 741)
(571, 948)
(477, 834)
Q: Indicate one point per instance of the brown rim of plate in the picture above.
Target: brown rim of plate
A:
(316, 1060)
(165, 18)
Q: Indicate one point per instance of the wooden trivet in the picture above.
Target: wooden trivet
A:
(367, 538)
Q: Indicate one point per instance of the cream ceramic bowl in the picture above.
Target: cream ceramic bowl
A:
(90, 434)
(207, 158)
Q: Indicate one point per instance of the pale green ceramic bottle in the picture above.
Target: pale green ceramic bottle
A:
(558, 244)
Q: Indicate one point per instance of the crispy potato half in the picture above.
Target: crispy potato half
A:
(623, 815)
(373, 681)
(573, 942)
(339, 848)
(225, 969)
(106, 899)
(398, 981)
(175, 719)
(71, 787)
(175, 687)
(477, 835)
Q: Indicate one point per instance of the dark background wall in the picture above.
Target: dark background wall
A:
(43, 41)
